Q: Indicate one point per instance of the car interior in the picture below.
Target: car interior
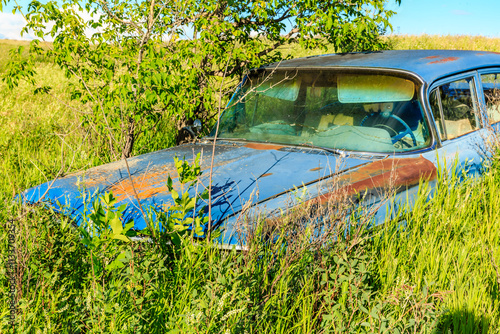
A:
(358, 112)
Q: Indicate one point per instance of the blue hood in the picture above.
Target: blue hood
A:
(240, 170)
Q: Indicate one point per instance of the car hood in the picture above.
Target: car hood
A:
(242, 172)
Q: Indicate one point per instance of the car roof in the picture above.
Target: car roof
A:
(428, 64)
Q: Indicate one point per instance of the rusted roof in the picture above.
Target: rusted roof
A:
(428, 64)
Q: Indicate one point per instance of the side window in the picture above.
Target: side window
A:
(455, 108)
(491, 89)
(437, 113)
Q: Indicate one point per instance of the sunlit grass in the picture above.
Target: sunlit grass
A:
(449, 245)
(414, 42)
(451, 42)
(433, 268)
(38, 133)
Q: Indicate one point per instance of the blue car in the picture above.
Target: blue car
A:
(356, 124)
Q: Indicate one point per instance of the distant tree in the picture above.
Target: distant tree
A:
(135, 62)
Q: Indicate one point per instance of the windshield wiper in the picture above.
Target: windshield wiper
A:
(224, 138)
(326, 149)
(219, 139)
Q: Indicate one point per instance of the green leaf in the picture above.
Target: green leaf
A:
(117, 263)
(128, 226)
(175, 194)
(374, 315)
(116, 225)
(120, 237)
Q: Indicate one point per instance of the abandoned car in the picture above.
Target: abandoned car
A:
(364, 121)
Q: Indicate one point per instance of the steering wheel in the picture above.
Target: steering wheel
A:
(329, 105)
(398, 136)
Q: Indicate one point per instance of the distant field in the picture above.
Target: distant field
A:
(6, 45)
(404, 42)
(397, 42)
(429, 42)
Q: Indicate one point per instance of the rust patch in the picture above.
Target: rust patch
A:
(388, 173)
(95, 179)
(266, 174)
(444, 60)
(315, 169)
(102, 177)
(258, 146)
(146, 185)
(431, 57)
(484, 53)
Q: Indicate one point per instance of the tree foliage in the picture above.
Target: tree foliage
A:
(133, 63)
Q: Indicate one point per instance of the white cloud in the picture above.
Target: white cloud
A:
(11, 25)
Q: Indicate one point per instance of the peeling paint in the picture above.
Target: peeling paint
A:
(390, 173)
(444, 60)
(266, 174)
(258, 146)
(146, 185)
(484, 53)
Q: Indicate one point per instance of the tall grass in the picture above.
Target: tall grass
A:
(431, 270)
(434, 269)
(38, 135)
(449, 245)
(285, 286)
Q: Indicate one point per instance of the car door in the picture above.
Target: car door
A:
(460, 122)
(489, 96)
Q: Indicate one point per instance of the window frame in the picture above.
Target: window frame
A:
(482, 100)
(477, 101)
(442, 136)
(421, 92)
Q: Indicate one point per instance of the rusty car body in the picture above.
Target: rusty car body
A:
(364, 121)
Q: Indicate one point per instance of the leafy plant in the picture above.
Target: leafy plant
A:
(101, 230)
(187, 212)
(133, 63)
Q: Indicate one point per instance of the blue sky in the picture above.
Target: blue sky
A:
(441, 17)
(447, 17)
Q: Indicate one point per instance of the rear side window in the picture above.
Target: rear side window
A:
(455, 109)
(491, 89)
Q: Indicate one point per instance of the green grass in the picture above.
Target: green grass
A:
(450, 246)
(451, 42)
(412, 42)
(38, 135)
(5, 47)
(438, 274)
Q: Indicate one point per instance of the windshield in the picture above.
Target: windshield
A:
(355, 111)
